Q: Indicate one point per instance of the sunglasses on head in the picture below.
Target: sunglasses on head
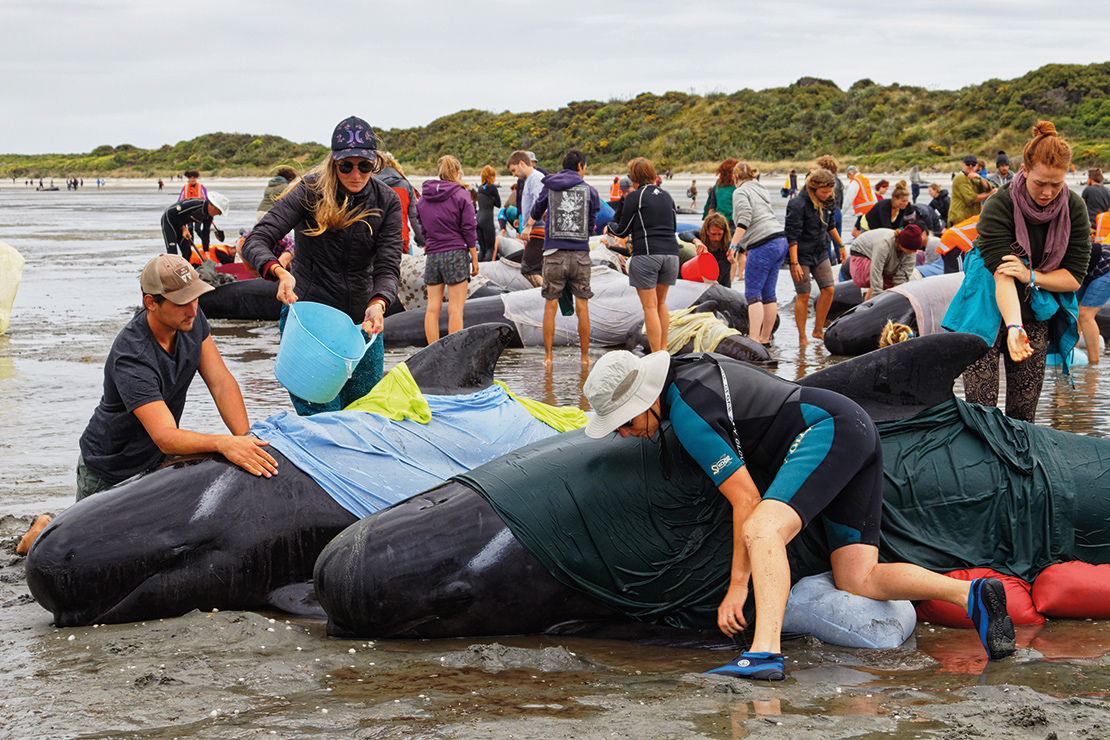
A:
(346, 167)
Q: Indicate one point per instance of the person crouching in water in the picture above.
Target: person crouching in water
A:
(827, 460)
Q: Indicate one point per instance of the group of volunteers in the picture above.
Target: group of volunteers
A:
(823, 450)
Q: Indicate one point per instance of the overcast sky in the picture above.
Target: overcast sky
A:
(75, 74)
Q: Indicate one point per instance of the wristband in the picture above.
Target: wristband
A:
(1032, 278)
(793, 263)
(1019, 327)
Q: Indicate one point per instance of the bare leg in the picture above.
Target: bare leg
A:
(824, 302)
(738, 271)
(582, 308)
(431, 314)
(652, 327)
(549, 309)
(856, 569)
(1089, 327)
(755, 321)
(770, 527)
(801, 313)
(456, 300)
(770, 313)
(664, 314)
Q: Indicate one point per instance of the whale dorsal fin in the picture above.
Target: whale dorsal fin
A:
(902, 380)
(462, 362)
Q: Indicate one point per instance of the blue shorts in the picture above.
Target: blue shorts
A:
(1096, 293)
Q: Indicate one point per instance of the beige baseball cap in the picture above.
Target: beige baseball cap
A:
(174, 278)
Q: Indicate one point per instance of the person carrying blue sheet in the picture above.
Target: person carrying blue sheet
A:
(826, 458)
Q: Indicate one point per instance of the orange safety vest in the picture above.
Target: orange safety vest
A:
(193, 190)
(215, 251)
(865, 197)
(615, 190)
(1102, 226)
(962, 236)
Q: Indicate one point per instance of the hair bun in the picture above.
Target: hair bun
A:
(1044, 128)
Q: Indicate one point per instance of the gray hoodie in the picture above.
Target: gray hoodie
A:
(751, 211)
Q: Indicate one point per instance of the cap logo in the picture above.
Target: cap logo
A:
(354, 137)
(183, 273)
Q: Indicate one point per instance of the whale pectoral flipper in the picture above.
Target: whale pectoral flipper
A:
(298, 599)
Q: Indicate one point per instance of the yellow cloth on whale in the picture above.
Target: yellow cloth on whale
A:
(397, 397)
(705, 329)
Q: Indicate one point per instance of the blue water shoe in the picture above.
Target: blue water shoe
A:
(986, 607)
(764, 666)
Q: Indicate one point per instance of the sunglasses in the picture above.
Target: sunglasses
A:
(365, 167)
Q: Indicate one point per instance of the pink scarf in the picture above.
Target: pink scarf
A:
(1056, 214)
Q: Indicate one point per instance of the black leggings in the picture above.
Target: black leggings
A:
(1023, 379)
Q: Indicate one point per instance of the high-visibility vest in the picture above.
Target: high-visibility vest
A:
(1102, 226)
(961, 236)
(193, 190)
(615, 190)
(865, 197)
(217, 253)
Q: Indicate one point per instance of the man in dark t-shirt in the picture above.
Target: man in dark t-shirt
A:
(146, 378)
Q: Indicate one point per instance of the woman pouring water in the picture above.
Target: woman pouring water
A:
(348, 247)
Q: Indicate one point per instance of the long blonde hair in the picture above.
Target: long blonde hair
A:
(326, 208)
(894, 333)
(449, 168)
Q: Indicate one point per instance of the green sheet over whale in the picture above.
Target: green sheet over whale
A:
(965, 486)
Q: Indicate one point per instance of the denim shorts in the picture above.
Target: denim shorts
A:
(645, 271)
(1096, 293)
(451, 267)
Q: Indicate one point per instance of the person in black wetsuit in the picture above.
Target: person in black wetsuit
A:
(179, 219)
(826, 458)
(489, 200)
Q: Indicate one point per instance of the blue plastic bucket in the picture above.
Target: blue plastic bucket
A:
(319, 351)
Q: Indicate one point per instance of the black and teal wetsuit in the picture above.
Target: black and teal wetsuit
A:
(822, 448)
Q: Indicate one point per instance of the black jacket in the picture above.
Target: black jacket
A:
(647, 213)
(805, 228)
(343, 268)
(940, 205)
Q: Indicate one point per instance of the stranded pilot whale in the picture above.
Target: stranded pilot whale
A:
(636, 526)
(200, 532)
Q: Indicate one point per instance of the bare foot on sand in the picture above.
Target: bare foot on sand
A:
(818, 334)
(802, 340)
(548, 361)
(24, 545)
(586, 360)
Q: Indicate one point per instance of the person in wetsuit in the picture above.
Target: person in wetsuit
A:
(826, 458)
(178, 221)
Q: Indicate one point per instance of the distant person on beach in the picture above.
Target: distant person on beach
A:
(915, 182)
(648, 219)
(161, 184)
(760, 238)
(180, 220)
(277, 185)
(451, 245)
(348, 248)
(393, 176)
(829, 162)
(719, 197)
(522, 167)
(1002, 174)
(692, 193)
(615, 192)
(489, 200)
(1095, 195)
(809, 226)
(969, 190)
(146, 377)
(192, 188)
(1032, 254)
(568, 208)
(792, 184)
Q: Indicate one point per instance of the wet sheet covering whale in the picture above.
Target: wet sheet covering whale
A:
(965, 486)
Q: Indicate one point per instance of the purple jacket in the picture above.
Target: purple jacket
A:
(571, 208)
(448, 217)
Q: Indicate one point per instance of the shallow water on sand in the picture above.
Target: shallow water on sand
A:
(84, 251)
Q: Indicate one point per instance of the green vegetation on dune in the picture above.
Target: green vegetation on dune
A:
(871, 125)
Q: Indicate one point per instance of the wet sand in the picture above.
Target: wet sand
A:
(245, 674)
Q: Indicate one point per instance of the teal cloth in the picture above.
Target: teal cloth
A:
(975, 309)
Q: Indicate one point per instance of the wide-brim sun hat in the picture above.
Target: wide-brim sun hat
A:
(622, 386)
(220, 201)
